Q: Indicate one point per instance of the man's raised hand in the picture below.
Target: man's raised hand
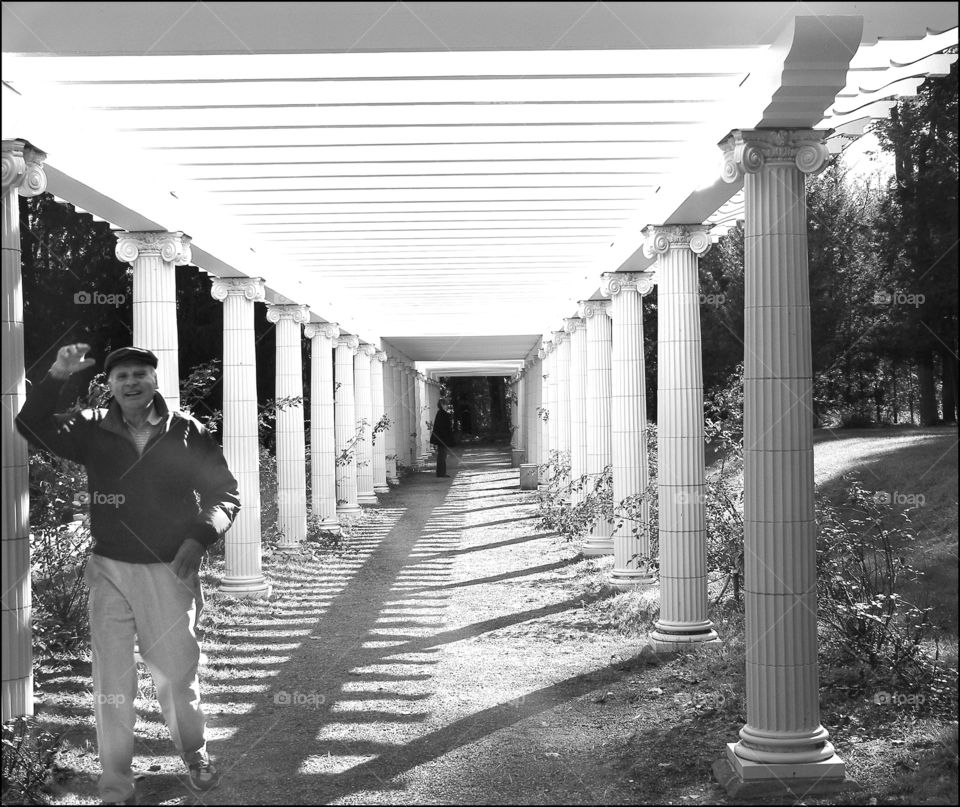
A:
(70, 360)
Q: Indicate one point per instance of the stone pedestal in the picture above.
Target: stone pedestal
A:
(631, 540)
(323, 484)
(154, 257)
(598, 395)
(241, 444)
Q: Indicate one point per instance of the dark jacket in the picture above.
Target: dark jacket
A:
(142, 507)
(442, 429)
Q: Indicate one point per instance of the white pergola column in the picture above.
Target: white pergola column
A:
(289, 438)
(561, 340)
(631, 549)
(550, 383)
(345, 427)
(378, 410)
(323, 485)
(598, 395)
(783, 737)
(363, 402)
(23, 175)
(577, 330)
(680, 482)
(521, 401)
(413, 418)
(423, 413)
(155, 257)
(243, 576)
(542, 430)
(391, 393)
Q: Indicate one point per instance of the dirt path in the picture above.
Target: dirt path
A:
(448, 659)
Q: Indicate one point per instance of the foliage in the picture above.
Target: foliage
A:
(195, 389)
(380, 426)
(28, 757)
(870, 630)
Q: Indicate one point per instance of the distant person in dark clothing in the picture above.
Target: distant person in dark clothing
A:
(466, 418)
(442, 437)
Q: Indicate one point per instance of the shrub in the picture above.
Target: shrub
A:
(870, 631)
(28, 756)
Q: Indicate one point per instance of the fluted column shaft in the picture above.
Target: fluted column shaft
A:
(543, 414)
(290, 444)
(680, 481)
(783, 715)
(562, 341)
(413, 417)
(345, 428)
(521, 404)
(578, 403)
(377, 412)
(551, 404)
(154, 257)
(241, 442)
(598, 395)
(423, 412)
(23, 175)
(391, 392)
(323, 486)
(631, 541)
(364, 412)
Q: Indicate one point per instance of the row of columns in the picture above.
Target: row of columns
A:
(584, 394)
(600, 368)
(368, 415)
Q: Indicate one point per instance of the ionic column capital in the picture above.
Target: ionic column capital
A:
(661, 238)
(348, 340)
(23, 168)
(294, 312)
(172, 247)
(380, 356)
(251, 288)
(328, 330)
(573, 324)
(368, 350)
(559, 337)
(614, 283)
(746, 151)
(541, 353)
(594, 308)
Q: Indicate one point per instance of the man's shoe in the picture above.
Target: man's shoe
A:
(203, 776)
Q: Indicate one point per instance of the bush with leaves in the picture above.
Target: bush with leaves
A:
(871, 634)
(28, 757)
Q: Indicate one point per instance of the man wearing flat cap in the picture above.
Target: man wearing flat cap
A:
(160, 494)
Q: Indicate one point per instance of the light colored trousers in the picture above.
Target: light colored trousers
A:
(146, 601)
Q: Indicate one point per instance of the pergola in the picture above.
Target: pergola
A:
(437, 189)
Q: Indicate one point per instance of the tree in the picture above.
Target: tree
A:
(921, 240)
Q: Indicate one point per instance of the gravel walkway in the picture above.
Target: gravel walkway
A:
(447, 660)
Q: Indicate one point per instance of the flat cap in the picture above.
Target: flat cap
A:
(129, 354)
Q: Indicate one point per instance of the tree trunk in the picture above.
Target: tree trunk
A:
(927, 389)
(949, 386)
(896, 404)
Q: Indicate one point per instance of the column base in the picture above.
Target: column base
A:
(745, 780)
(665, 641)
(348, 513)
(289, 549)
(378, 489)
(329, 525)
(630, 579)
(595, 547)
(246, 586)
(367, 498)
